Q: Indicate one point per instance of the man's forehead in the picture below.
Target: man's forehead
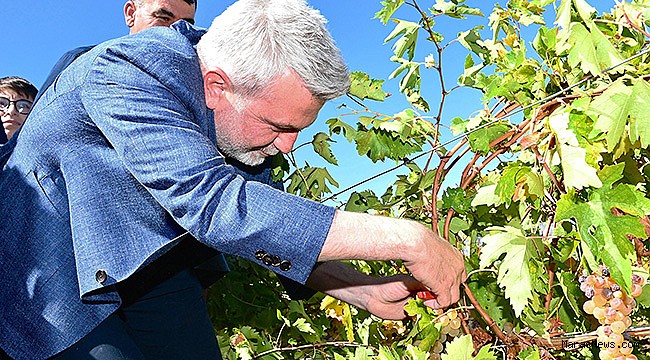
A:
(169, 4)
(12, 94)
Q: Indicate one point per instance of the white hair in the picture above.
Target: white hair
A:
(256, 41)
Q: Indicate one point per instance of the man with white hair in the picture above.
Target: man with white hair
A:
(120, 190)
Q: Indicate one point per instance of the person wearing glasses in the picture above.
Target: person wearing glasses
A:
(16, 100)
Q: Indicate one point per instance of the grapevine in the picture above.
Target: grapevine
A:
(544, 187)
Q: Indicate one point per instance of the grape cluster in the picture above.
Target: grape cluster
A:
(449, 327)
(611, 306)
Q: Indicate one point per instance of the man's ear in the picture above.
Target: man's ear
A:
(129, 13)
(216, 86)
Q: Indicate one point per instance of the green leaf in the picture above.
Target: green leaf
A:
(529, 353)
(577, 173)
(454, 10)
(486, 195)
(480, 139)
(563, 14)
(571, 291)
(471, 40)
(363, 87)
(603, 233)
(338, 126)
(388, 9)
(458, 125)
(616, 105)
(461, 348)
(322, 147)
(514, 273)
(591, 50)
(415, 353)
(517, 182)
(409, 36)
(279, 167)
(380, 144)
(455, 198)
(310, 182)
(303, 326)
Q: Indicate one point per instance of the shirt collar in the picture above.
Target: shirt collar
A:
(191, 32)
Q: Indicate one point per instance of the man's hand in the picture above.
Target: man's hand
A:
(438, 266)
(387, 299)
(383, 297)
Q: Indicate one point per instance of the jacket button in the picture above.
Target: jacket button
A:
(259, 254)
(101, 276)
(275, 261)
(285, 265)
(267, 260)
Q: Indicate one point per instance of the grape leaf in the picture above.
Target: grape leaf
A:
(461, 348)
(590, 50)
(454, 10)
(380, 144)
(519, 181)
(571, 291)
(490, 296)
(363, 87)
(577, 173)
(341, 311)
(338, 126)
(615, 105)
(279, 167)
(529, 353)
(480, 139)
(514, 273)
(486, 195)
(406, 43)
(310, 182)
(388, 9)
(603, 233)
(322, 147)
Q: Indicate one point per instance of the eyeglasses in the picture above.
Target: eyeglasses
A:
(22, 106)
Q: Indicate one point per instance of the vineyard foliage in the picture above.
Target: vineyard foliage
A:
(550, 181)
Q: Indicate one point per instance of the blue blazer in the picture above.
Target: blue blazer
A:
(115, 163)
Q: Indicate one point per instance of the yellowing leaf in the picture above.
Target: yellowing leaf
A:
(577, 173)
(514, 274)
(340, 311)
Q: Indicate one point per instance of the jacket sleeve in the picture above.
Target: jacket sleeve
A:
(145, 95)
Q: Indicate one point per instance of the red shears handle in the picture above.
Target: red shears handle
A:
(426, 295)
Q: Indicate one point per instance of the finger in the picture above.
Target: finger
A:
(434, 304)
(444, 298)
(454, 294)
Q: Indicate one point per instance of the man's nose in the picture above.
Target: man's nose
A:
(284, 142)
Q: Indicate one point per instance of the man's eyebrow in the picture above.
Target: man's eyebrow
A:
(282, 127)
(165, 12)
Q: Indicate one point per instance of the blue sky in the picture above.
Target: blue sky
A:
(36, 33)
